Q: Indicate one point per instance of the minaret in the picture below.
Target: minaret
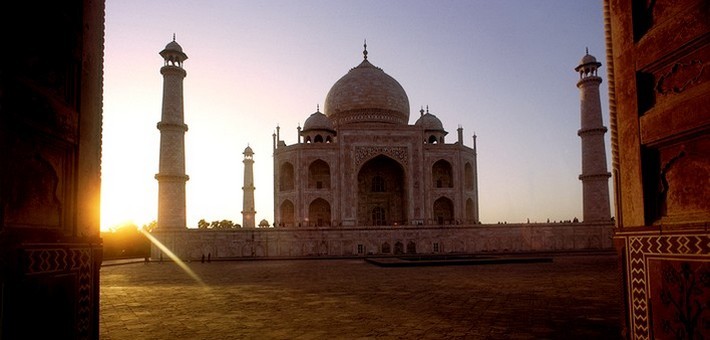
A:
(594, 177)
(475, 180)
(248, 188)
(171, 175)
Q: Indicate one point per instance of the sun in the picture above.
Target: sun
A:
(124, 201)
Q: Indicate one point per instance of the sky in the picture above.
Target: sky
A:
(503, 70)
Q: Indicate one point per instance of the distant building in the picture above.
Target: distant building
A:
(51, 85)
(359, 163)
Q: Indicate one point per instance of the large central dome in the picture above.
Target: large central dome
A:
(366, 94)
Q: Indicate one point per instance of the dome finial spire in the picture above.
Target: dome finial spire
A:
(421, 112)
(173, 36)
(586, 49)
(364, 52)
(427, 109)
(318, 107)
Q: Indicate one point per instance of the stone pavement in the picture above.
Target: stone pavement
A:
(573, 297)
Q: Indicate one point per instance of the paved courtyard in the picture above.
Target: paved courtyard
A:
(571, 297)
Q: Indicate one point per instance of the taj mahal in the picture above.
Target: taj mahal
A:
(360, 164)
(362, 181)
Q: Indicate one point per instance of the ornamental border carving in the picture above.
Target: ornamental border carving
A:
(680, 77)
(365, 153)
(56, 260)
(640, 249)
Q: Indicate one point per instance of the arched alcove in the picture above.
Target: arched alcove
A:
(470, 215)
(319, 175)
(468, 175)
(319, 213)
(442, 175)
(287, 214)
(286, 177)
(443, 210)
(381, 185)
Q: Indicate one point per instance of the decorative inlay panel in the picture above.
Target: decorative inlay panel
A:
(365, 153)
(650, 254)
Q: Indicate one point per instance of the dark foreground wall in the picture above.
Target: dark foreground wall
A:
(659, 94)
(50, 146)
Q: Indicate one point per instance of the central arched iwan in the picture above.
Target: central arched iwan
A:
(381, 196)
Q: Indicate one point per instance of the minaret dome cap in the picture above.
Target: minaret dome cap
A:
(173, 51)
(586, 61)
(173, 46)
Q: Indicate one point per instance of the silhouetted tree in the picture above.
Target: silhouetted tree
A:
(226, 224)
(150, 226)
(223, 224)
(202, 224)
(125, 241)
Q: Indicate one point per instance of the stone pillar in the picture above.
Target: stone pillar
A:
(171, 174)
(594, 177)
(248, 213)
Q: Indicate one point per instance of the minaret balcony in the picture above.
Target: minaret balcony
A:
(589, 79)
(173, 70)
(592, 131)
(602, 176)
(164, 126)
(172, 178)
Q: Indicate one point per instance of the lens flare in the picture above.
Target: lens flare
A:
(173, 257)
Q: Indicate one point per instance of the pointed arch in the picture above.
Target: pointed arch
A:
(398, 248)
(468, 175)
(319, 175)
(443, 210)
(386, 248)
(287, 213)
(286, 177)
(442, 175)
(389, 195)
(411, 247)
(470, 215)
(319, 213)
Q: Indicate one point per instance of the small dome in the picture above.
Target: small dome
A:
(173, 52)
(318, 121)
(429, 122)
(588, 59)
(173, 46)
(248, 151)
(367, 94)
